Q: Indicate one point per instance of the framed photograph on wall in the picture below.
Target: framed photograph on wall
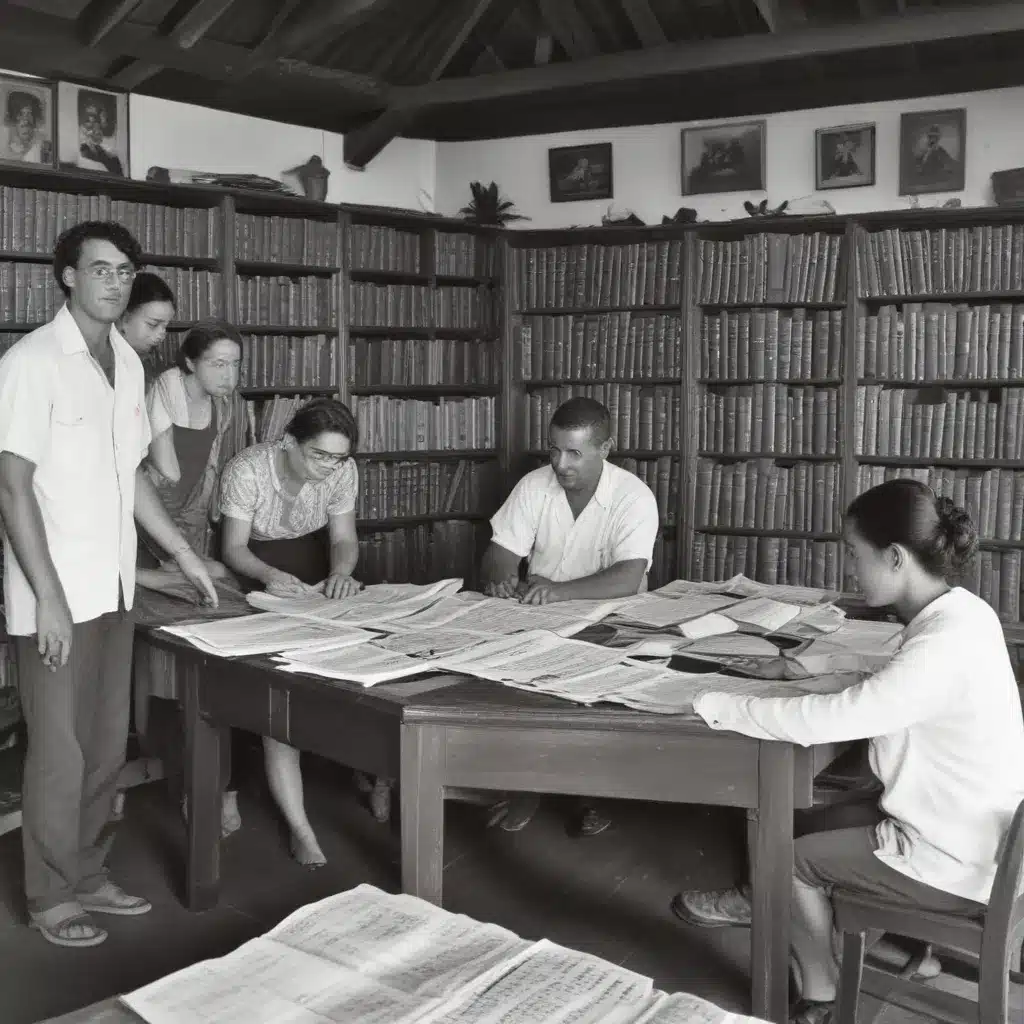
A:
(29, 113)
(933, 151)
(723, 158)
(580, 172)
(844, 157)
(92, 129)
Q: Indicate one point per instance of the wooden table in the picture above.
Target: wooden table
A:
(442, 733)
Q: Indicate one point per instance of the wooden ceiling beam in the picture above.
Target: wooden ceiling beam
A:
(568, 26)
(326, 18)
(781, 15)
(679, 58)
(100, 16)
(646, 26)
(197, 21)
(603, 22)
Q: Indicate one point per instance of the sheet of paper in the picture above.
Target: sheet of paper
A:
(366, 664)
(265, 633)
(596, 686)
(743, 645)
(741, 586)
(431, 643)
(814, 621)
(714, 624)
(683, 1008)
(858, 646)
(761, 614)
(555, 985)
(654, 610)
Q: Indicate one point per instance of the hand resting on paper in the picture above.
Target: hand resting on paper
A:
(284, 584)
(339, 585)
(507, 588)
(539, 590)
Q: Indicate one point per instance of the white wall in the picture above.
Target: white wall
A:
(647, 175)
(169, 134)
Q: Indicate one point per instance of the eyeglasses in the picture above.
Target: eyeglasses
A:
(106, 273)
(326, 458)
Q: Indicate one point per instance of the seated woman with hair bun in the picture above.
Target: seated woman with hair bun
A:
(944, 722)
(276, 500)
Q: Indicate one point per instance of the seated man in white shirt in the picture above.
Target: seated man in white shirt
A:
(586, 529)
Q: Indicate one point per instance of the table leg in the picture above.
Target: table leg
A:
(422, 799)
(203, 790)
(772, 877)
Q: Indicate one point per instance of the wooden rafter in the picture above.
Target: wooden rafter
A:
(646, 26)
(714, 54)
(326, 18)
(569, 27)
(603, 21)
(100, 16)
(781, 15)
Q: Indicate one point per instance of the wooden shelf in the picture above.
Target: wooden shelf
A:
(562, 381)
(817, 382)
(615, 453)
(443, 455)
(251, 268)
(950, 298)
(774, 456)
(738, 531)
(959, 384)
(993, 544)
(371, 276)
(397, 522)
(197, 262)
(778, 304)
(289, 391)
(901, 460)
(283, 329)
(412, 390)
(13, 328)
(10, 255)
(469, 333)
(672, 307)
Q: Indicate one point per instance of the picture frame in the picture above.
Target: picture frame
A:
(577, 173)
(727, 157)
(844, 156)
(29, 132)
(933, 151)
(92, 129)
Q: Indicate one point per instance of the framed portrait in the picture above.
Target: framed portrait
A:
(844, 157)
(92, 129)
(933, 151)
(580, 172)
(723, 158)
(29, 113)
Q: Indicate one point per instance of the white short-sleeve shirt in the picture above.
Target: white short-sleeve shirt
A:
(251, 491)
(619, 524)
(86, 439)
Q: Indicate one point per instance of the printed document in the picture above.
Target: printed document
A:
(265, 633)
(653, 610)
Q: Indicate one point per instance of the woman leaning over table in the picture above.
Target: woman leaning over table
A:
(146, 318)
(945, 729)
(276, 499)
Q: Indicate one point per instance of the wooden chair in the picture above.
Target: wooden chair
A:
(993, 938)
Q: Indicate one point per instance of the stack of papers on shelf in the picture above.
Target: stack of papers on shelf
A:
(369, 957)
(372, 605)
(265, 634)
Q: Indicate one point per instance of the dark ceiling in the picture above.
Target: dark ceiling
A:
(472, 69)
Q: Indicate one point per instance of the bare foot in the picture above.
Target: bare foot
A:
(306, 850)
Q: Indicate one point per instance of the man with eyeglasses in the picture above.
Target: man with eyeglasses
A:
(73, 431)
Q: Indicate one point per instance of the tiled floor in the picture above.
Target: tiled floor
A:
(607, 894)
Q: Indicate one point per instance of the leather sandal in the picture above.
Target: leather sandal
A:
(110, 898)
(57, 924)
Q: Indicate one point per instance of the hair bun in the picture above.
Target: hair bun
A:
(957, 528)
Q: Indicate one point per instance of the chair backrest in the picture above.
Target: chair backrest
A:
(1004, 920)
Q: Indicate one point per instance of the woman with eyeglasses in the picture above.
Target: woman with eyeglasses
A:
(289, 526)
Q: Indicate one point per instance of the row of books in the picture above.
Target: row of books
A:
(31, 219)
(772, 344)
(268, 419)
(941, 341)
(422, 554)
(379, 247)
(29, 293)
(395, 489)
(761, 495)
(995, 577)
(789, 560)
(412, 362)
(591, 274)
(408, 424)
(662, 476)
(286, 239)
(775, 418)
(466, 255)
(198, 294)
(415, 305)
(606, 345)
(664, 561)
(770, 268)
(941, 261)
(289, 301)
(965, 425)
(643, 418)
(286, 361)
(993, 497)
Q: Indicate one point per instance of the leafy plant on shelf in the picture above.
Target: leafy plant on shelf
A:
(488, 207)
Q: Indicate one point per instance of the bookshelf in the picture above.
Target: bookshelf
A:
(598, 313)
(422, 370)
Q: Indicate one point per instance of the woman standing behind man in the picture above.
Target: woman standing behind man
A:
(276, 499)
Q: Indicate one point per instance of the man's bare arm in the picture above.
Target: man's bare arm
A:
(499, 571)
(24, 524)
(623, 579)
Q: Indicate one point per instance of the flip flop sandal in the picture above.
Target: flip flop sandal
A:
(112, 899)
(55, 929)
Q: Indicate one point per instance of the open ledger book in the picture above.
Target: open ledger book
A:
(369, 957)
